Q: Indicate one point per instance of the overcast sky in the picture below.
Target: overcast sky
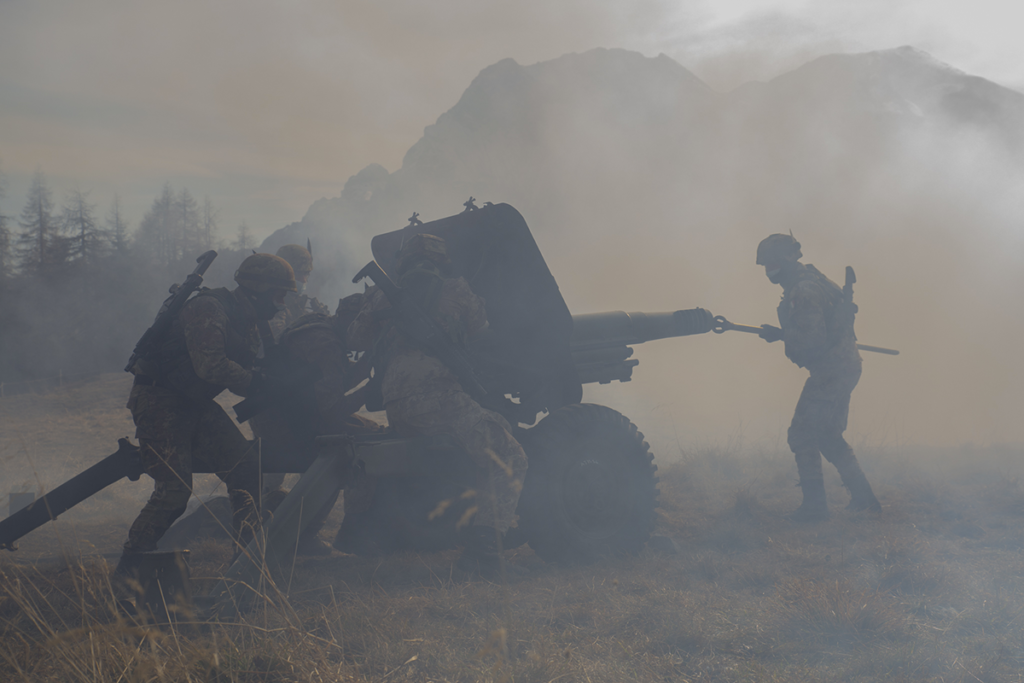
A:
(267, 106)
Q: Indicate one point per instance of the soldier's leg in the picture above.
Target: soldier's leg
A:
(222, 448)
(167, 503)
(164, 426)
(803, 441)
(357, 533)
(501, 470)
(269, 426)
(838, 452)
(487, 438)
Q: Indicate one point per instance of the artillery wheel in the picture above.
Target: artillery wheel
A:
(591, 487)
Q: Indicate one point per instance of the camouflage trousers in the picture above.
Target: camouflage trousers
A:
(821, 415)
(485, 435)
(178, 436)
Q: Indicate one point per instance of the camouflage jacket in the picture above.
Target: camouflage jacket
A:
(817, 331)
(407, 369)
(320, 339)
(210, 347)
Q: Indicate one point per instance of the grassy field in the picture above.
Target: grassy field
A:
(932, 590)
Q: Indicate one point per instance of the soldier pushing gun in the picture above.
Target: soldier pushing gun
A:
(197, 348)
(415, 332)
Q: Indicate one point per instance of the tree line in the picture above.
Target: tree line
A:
(78, 288)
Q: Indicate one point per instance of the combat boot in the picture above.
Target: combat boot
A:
(356, 535)
(125, 578)
(862, 498)
(480, 556)
(814, 507)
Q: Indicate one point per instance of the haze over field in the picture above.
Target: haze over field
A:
(647, 184)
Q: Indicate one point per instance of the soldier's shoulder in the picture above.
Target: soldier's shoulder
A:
(806, 292)
(208, 302)
(819, 277)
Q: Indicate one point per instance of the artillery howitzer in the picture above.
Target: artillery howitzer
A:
(591, 486)
(591, 489)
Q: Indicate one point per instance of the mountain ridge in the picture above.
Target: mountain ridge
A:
(611, 117)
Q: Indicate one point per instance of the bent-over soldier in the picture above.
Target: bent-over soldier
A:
(422, 396)
(816, 322)
(210, 347)
(320, 340)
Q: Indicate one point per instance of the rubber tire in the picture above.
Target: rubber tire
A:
(591, 487)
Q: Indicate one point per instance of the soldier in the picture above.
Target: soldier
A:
(817, 327)
(210, 347)
(422, 396)
(296, 303)
(321, 340)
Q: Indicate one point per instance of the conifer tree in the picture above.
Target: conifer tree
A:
(243, 238)
(117, 227)
(86, 239)
(154, 236)
(5, 237)
(39, 244)
(208, 232)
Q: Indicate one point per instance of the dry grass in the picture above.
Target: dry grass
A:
(933, 590)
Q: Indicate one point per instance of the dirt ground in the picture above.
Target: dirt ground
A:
(931, 590)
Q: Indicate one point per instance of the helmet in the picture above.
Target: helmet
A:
(778, 247)
(264, 272)
(298, 257)
(423, 246)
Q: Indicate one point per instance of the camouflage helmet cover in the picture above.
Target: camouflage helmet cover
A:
(423, 246)
(297, 256)
(778, 247)
(264, 272)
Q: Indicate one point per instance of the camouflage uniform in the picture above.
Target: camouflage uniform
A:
(828, 349)
(819, 336)
(422, 396)
(211, 346)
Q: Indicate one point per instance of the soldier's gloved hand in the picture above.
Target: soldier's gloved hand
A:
(695, 321)
(770, 333)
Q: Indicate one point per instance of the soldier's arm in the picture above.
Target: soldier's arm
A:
(206, 328)
(806, 334)
(462, 311)
(364, 330)
(324, 349)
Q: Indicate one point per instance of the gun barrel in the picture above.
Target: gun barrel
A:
(600, 341)
(125, 462)
(600, 330)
